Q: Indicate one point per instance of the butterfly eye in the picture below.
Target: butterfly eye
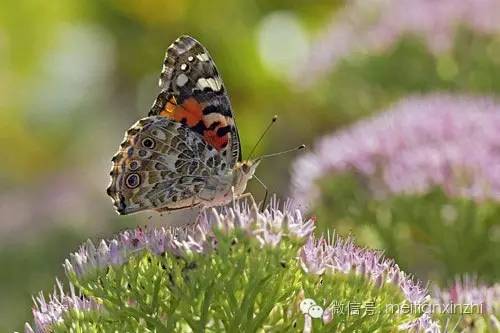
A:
(245, 168)
(133, 180)
(148, 143)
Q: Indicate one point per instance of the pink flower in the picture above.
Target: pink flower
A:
(375, 26)
(338, 255)
(267, 227)
(421, 142)
(49, 312)
(468, 290)
(342, 256)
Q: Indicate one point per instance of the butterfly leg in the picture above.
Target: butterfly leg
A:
(263, 204)
(233, 198)
(247, 195)
(201, 212)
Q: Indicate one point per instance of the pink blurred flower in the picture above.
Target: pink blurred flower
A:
(375, 26)
(421, 142)
(468, 290)
(424, 323)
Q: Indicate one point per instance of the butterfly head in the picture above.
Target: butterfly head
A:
(242, 173)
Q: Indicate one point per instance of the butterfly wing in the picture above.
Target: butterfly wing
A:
(162, 164)
(192, 93)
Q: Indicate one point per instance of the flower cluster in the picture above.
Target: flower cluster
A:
(424, 323)
(368, 27)
(268, 227)
(337, 255)
(468, 293)
(467, 290)
(330, 256)
(49, 312)
(421, 142)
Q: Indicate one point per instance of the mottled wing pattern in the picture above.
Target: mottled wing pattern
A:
(192, 92)
(162, 164)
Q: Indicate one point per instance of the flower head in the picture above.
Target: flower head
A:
(338, 255)
(341, 256)
(49, 312)
(420, 142)
(268, 227)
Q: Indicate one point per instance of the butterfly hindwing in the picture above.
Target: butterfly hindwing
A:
(192, 93)
(162, 165)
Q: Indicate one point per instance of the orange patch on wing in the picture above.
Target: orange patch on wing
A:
(218, 142)
(190, 110)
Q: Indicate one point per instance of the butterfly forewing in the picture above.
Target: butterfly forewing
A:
(192, 92)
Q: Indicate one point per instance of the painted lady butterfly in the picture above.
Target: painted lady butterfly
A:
(187, 151)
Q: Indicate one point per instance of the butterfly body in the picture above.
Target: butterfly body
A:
(187, 152)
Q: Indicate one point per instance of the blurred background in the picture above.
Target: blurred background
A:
(74, 75)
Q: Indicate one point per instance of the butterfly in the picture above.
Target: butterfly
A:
(187, 152)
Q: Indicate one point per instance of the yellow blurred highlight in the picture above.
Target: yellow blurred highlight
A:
(153, 12)
(24, 157)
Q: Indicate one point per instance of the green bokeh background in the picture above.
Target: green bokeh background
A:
(74, 75)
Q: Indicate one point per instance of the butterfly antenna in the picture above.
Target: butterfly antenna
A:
(275, 117)
(282, 152)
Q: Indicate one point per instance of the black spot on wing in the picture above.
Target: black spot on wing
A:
(216, 103)
(210, 109)
(223, 130)
(199, 127)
